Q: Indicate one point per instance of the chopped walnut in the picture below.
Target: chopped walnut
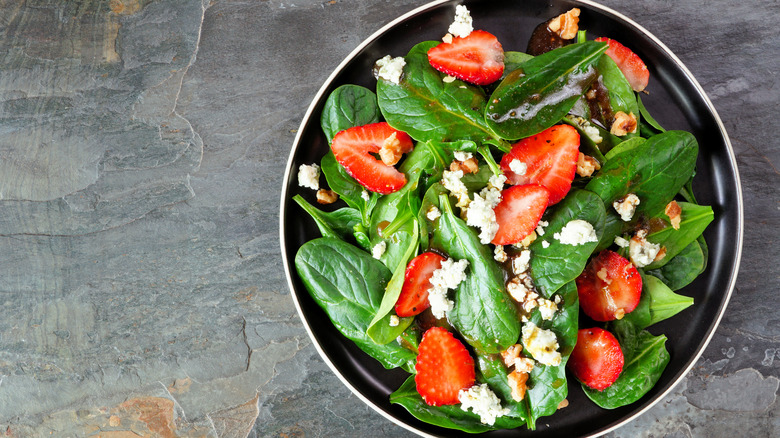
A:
(517, 381)
(326, 196)
(471, 165)
(391, 152)
(565, 25)
(673, 211)
(586, 165)
(510, 354)
(623, 124)
(563, 403)
(661, 254)
(447, 38)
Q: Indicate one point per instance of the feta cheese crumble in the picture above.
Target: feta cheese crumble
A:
(463, 156)
(545, 244)
(518, 167)
(576, 232)
(451, 181)
(621, 242)
(449, 276)
(499, 254)
(642, 252)
(540, 227)
(390, 69)
(364, 194)
(626, 206)
(521, 263)
(462, 26)
(542, 344)
(481, 212)
(547, 308)
(394, 321)
(433, 213)
(378, 249)
(483, 402)
(309, 176)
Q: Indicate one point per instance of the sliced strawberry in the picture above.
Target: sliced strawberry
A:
(444, 367)
(417, 281)
(597, 359)
(632, 66)
(550, 158)
(609, 287)
(477, 58)
(519, 212)
(353, 148)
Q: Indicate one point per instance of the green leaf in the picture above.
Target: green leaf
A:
(657, 303)
(683, 268)
(348, 284)
(543, 90)
(426, 108)
(558, 264)
(347, 187)
(647, 118)
(621, 95)
(339, 223)
(513, 61)
(694, 220)
(346, 107)
(483, 313)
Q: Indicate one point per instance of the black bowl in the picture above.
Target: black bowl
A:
(674, 98)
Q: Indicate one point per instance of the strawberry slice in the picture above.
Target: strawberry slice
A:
(417, 282)
(632, 66)
(444, 367)
(550, 158)
(597, 359)
(519, 212)
(609, 287)
(478, 58)
(353, 148)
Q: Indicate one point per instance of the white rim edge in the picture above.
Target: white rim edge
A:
(377, 34)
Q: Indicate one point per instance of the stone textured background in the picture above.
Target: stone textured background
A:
(142, 147)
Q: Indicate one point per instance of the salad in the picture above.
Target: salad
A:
(503, 224)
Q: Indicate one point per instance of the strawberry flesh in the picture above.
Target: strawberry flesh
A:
(417, 282)
(519, 212)
(550, 158)
(444, 367)
(353, 149)
(477, 58)
(609, 287)
(632, 66)
(597, 359)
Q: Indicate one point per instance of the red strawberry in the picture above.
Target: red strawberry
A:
(633, 68)
(597, 359)
(519, 212)
(550, 157)
(478, 58)
(609, 287)
(444, 367)
(353, 148)
(417, 281)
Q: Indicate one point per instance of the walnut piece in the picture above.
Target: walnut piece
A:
(517, 381)
(623, 124)
(470, 165)
(510, 354)
(391, 151)
(326, 196)
(586, 165)
(674, 212)
(565, 25)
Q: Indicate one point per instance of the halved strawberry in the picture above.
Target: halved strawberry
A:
(478, 58)
(417, 281)
(353, 148)
(632, 66)
(597, 359)
(550, 158)
(519, 212)
(609, 287)
(444, 367)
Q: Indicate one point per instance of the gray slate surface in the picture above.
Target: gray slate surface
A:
(141, 157)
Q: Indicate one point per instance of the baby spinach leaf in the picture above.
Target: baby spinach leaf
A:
(694, 219)
(543, 90)
(645, 358)
(624, 147)
(683, 268)
(654, 170)
(348, 284)
(647, 118)
(558, 264)
(339, 223)
(621, 95)
(428, 109)
(657, 303)
(513, 61)
(346, 107)
(483, 313)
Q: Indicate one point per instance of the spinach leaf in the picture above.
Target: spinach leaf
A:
(624, 147)
(657, 303)
(645, 358)
(653, 126)
(683, 268)
(513, 61)
(347, 187)
(346, 107)
(621, 95)
(428, 109)
(558, 264)
(543, 90)
(694, 219)
(483, 313)
(348, 284)
(339, 223)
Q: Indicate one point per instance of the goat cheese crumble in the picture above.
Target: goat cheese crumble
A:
(449, 276)
(462, 26)
(378, 249)
(483, 402)
(642, 252)
(542, 344)
(390, 69)
(309, 176)
(451, 181)
(518, 167)
(576, 232)
(626, 206)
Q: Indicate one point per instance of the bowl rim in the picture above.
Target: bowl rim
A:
(421, 9)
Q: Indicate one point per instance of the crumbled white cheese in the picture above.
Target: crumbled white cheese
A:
(433, 213)
(449, 276)
(621, 242)
(364, 194)
(542, 344)
(518, 167)
(530, 302)
(499, 254)
(545, 244)
(481, 215)
(440, 304)
(390, 69)
(524, 364)
(463, 156)
(462, 26)
(521, 262)
(642, 252)
(309, 176)
(547, 308)
(448, 79)
(394, 321)
(496, 182)
(517, 290)
(483, 402)
(576, 232)
(451, 181)
(626, 206)
(378, 249)
(540, 227)
(591, 131)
